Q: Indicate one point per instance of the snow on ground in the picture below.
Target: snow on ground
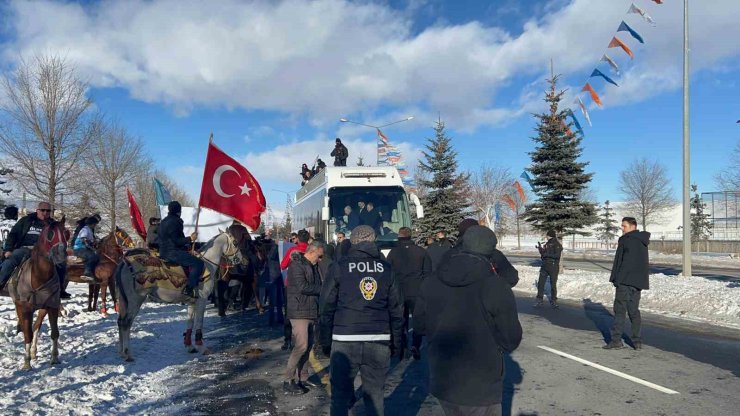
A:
(92, 379)
(694, 298)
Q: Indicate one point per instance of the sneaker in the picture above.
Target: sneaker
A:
(291, 387)
(637, 344)
(554, 304)
(188, 291)
(65, 295)
(415, 353)
(307, 384)
(614, 345)
(87, 278)
(538, 304)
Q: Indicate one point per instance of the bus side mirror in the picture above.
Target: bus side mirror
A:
(417, 204)
(324, 213)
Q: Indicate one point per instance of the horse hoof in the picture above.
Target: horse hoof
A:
(33, 357)
(206, 351)
(129, 359)
(26, 366)
(55, 361)
(192, 350)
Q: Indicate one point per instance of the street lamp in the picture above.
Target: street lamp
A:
(344, 120)
(686, 148)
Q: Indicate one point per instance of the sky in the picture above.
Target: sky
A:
(271, 79)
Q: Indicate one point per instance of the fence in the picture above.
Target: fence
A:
(662, 246)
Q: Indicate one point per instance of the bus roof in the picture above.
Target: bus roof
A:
(354, 176)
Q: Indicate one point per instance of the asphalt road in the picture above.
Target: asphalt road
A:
(697, 361)
(714, 273)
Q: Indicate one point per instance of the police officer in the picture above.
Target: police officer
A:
(361, 323)
(550, 254)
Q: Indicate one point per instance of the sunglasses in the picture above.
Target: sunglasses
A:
(44, 210)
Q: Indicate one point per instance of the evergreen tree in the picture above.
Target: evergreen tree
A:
(287, 226)
(558, 178)
(607, 229)
(445, 203)
(701, 226)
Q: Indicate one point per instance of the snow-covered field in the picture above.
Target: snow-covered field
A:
(694, 298)
(92, 379)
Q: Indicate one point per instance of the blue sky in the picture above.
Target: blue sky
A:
(271, 79)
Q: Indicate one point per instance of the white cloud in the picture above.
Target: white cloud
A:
(324, 58)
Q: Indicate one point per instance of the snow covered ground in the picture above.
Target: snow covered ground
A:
(92, 379)
(693, 298)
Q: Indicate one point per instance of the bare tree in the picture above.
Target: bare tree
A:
(729, 179)
(488, 185)
(114, 160)
(44, 132)
(647, 190)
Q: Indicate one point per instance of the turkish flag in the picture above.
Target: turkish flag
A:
(230, 189)
(136, 221)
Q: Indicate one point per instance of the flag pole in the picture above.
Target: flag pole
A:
(197, 211)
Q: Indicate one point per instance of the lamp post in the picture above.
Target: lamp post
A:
(686, 147)
(344, 120)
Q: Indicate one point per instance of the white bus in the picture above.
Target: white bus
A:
(319, 205)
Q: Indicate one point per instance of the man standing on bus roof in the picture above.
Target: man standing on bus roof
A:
(340, 153)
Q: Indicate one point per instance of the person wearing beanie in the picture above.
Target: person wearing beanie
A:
(550, 254)
(340, 153)
(173, 246)
(411, 264)
(84, 248)
(361, 321)
(466, 298)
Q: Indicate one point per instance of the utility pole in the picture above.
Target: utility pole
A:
(686, 147)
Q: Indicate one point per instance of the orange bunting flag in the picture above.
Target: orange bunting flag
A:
(591, 91)
(616, 43)
(510, 202)
(520, 191)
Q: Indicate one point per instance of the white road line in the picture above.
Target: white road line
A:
(609, 370)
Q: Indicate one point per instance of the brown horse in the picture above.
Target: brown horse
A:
(110, 251)
(36, 287)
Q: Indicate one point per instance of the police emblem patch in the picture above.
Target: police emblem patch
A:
(368, 287)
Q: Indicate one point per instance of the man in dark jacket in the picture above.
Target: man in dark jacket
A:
(438, 249)
(340, 153)
(173, 247)
(343, 246)
(410, 264)
(303, 310)
(361, 313)
(630, 276)
(371, 217)
(274, 279)
(469, 316)
(550, 254)
(21, 239)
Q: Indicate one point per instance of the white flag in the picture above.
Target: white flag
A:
(611, 62)
(637, 10)
(583, 110)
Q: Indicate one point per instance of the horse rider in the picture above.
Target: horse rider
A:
(84, 248)
(21, 239)
(172, 247)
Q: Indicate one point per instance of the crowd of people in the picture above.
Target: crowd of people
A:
(340, 155)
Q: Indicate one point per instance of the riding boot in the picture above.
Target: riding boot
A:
(188, 291)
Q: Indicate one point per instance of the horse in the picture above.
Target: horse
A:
(35, 286)
(132, 292)
(242, 280)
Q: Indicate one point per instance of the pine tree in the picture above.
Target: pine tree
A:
(445, 203)
(701, 226)
(558, 178)
(607, 229)
(287, 226)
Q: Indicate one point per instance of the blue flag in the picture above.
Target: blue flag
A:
(624, 27)
(163, 195)
(575, 121)
(598, 73)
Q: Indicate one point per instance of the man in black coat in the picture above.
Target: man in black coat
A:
(630, 276)
(21, 239)
(340, 153)
(371, 217)
(361, 317)
(173, 246)
(411, 264)
(468, 314)
(274, 279)
(550, 254)
(438, 249)
(343, 246)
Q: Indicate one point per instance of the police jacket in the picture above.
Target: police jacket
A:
(360, 300)
(551, 250)
(171, 237)
(18, 236)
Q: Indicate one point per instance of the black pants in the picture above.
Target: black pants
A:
(186, 259)
(549, 269)
(626, 302)
(91, 260)
(408, 311)
(372, 360)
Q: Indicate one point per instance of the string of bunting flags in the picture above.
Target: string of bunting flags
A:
(615, 42)
(390, 155)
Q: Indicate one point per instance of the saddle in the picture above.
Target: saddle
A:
(151, 271)
(19, 288)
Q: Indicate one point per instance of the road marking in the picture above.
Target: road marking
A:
(609, 370)
(318, 368)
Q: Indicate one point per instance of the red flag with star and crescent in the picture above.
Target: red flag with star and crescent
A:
(230, 189)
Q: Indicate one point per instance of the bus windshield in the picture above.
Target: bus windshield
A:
(383, 208)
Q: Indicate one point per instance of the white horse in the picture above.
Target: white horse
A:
(131, 295)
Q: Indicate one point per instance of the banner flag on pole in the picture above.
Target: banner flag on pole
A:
(598, 73)
(637, 10)
(230, 189)
(135, 213)
(584, 110)
(624, 27)
(611, 63)
(162, 194)
(616, 43)
(591, 91)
